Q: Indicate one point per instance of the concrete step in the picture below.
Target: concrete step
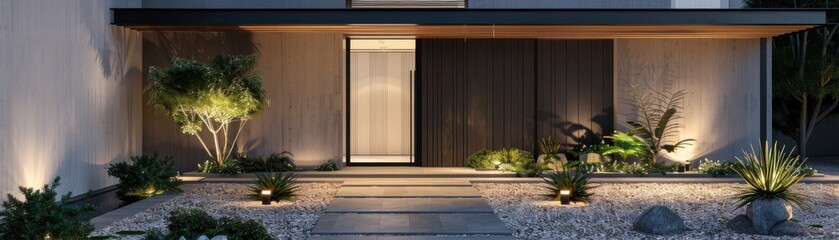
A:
(409, 205)
(407, 192)
(410, 224)
(351, 237)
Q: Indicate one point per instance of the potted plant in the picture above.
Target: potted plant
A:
(550, 147)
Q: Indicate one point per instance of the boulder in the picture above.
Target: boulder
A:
(764, 214)
(562, 158)
(202, 237)
(741, 224)
(789, 228)
(594, 158)
(659, 220)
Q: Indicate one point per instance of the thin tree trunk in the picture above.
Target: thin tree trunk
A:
(802, 128)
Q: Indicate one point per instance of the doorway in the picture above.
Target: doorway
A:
(381, 96)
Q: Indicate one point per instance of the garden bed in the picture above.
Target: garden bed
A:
(614, 207)
(283, 220)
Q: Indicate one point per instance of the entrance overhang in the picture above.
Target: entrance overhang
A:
(483, 23)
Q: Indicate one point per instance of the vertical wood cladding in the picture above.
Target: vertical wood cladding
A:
(507, 93)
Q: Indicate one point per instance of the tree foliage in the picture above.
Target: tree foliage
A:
(805, 70)
(209, 97)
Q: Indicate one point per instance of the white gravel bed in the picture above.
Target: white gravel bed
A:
(614, 207)
(284, 220)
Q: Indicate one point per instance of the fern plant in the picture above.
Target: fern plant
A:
(770, 173)
(656, 112)
(626, 145)
(281, 184)
(480, 160)
(576, 183)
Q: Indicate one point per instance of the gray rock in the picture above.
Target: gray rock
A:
(788, 228)
(219, 237)
(766, 213)
(202, 237)
(741, 224)
(659, 220)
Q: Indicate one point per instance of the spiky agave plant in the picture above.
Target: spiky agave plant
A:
(576, 183)
(770, 173)
(281, 185)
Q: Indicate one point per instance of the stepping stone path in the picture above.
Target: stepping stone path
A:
(409, 212)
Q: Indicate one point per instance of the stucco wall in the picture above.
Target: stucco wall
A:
(303, 77)
(722, 81)
(69, 93)
(244, 3)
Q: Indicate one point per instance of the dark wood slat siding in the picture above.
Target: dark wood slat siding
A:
(502, 93)
(578, 106)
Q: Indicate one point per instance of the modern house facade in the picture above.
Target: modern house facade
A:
(375, 82)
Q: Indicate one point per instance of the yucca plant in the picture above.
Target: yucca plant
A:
(770, 173)
(550, 147)
(576, 183)
(626, 145)
(281, 184)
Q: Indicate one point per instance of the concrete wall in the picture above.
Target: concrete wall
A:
(722, 80)
(303, 77)
(70, 93)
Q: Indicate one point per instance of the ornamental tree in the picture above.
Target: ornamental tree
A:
(209, 97)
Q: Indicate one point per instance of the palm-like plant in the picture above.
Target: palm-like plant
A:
(656, 112)
(770, 173)
(576, 183)
(626, 145)
(281, 185)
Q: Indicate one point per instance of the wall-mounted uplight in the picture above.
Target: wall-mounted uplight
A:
(266, 197)
(565, 197)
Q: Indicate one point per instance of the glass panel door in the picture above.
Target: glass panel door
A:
(382, 101)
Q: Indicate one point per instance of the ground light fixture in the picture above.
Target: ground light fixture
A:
(687, 165)
(565, 197)
(266, 197)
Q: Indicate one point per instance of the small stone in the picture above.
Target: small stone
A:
(219, 237)
(182, 238)
(202, 237)
(741, 224)
(766, 213)
(788, 228)
(659, 220)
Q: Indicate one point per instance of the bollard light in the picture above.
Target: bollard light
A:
(266, 197)
(565, 197)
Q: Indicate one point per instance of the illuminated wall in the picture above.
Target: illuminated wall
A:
(69, 93)
(303, 76)
(722, 80)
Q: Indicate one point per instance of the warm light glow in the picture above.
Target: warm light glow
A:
(565, 192)
(266, 192)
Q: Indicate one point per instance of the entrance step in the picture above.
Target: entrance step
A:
(409, 205)
(362, 182)
(407, 192)
(410, 224)
(474, 237)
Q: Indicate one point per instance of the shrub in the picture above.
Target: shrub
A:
(480, 160)
(193, 223)
(154, 234)
(238, 228)
(280, 162)
(145, 176)
(528, 168)
(327, 166)
(281, 185)
(770, 173)
(229, 167)
(584, 149)
(39, 215)
(515, 160)
(716, 168)
(250, 164)
(576, 183)
(808, 171)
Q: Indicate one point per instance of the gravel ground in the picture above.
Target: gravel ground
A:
(610, 214)
(284, 220)
(825, 165)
